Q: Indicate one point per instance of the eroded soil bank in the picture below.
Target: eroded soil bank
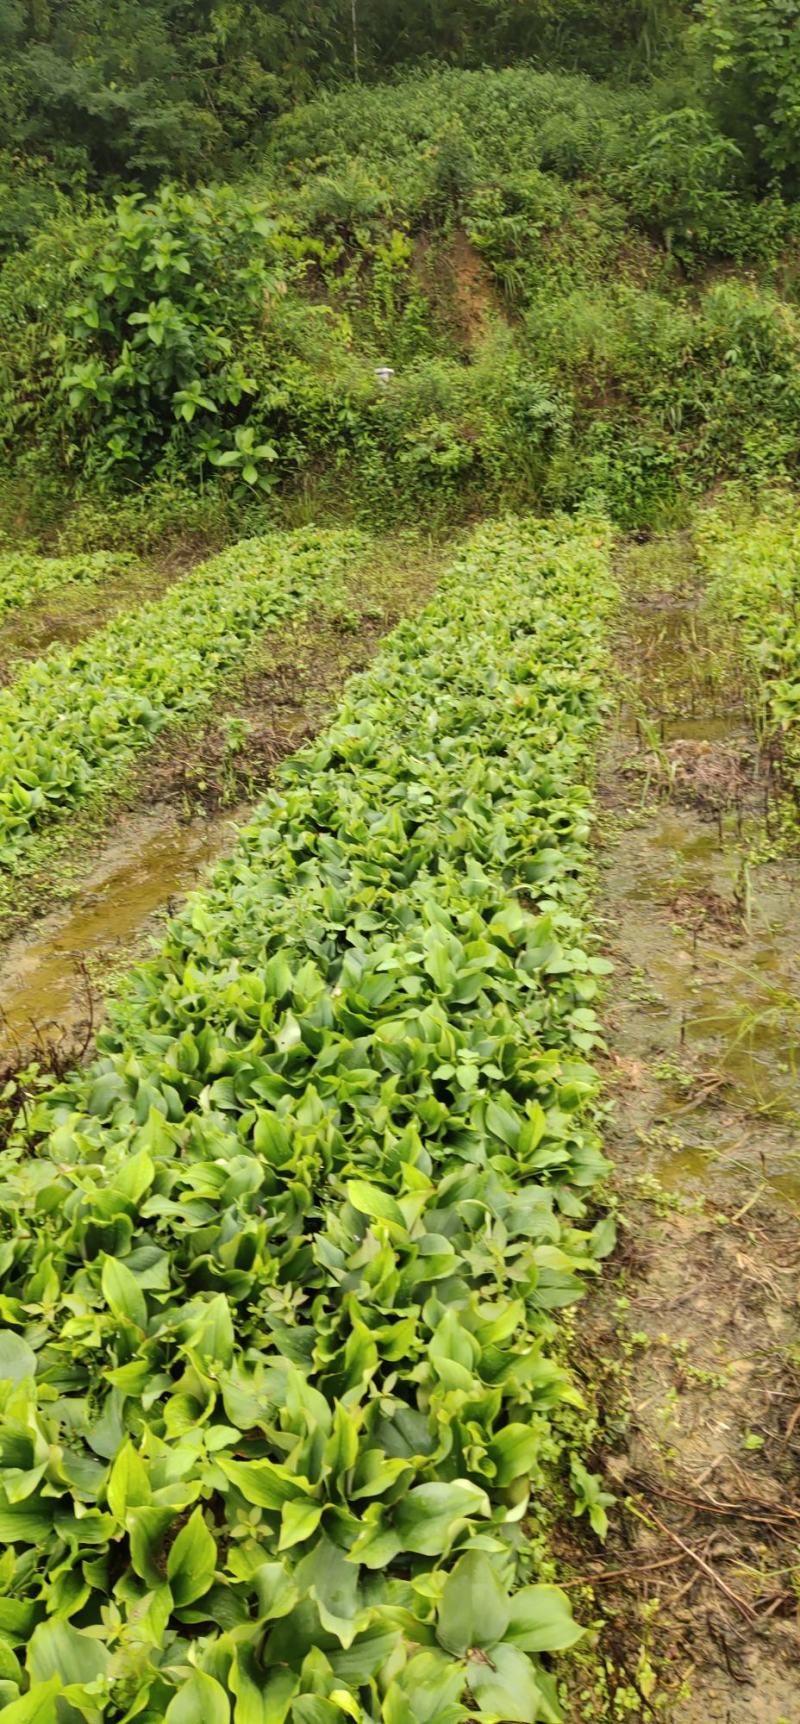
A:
(697, 1332)
(113, 872)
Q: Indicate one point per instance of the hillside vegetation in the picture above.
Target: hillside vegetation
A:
(545, 263)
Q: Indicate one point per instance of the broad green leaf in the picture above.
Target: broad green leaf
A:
(603, 1237)
(541, 1620)
(214, 1342)
(200, 1700)
(503, 1124)
(264, 1483)
(57, 1649)
(428, 1519)
(333, 1582)
(433, 1683)
(506, 1689)
(262, 1697)
(192, 1560)
(147, 1529)
(122, 1293)
(299, 1518)
(516, 1450)
(474, 1608)
(275, 1589)
(371, 1200)
(36, 1707)
(357, 1664)
(313, 1709)
(17, 1359)
(128, 1484)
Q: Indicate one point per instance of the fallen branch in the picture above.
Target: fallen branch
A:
(621, 1573)
(768, 1513)
(710, 1573)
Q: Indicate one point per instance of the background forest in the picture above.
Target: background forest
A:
(219, 229)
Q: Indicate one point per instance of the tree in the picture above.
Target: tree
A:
(752, 54)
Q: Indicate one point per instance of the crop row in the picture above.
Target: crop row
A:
(282, 1272)
(73, 719)
(24, 578)
(754, 566)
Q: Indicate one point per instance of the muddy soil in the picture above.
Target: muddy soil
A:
(101, 899)
(699, 1329)
(50, 981)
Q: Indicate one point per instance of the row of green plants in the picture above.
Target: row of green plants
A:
(70, 722)
(282, 1389)
(26, 578)
(752, 556)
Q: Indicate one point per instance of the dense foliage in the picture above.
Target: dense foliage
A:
(148, 87)
(524, 250)
(73, 719)
(752, 49)
(282, 1271)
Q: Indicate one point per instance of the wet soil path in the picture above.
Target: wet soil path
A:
(698, 1331)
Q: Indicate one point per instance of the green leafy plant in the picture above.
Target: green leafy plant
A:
(250, 460)
(590, 1498)
(282, 1270)
(149, 353)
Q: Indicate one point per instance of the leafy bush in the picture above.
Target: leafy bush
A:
(753, 54)
(149, 363)
(680, 179)
(283, 1269)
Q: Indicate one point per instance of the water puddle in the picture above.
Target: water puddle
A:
(151, 860)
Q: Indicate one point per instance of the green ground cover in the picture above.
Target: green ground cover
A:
(72, 720)
(26, 578)
(282, 1271)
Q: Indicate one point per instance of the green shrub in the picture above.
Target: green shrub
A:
(149, 362)
(752, 48)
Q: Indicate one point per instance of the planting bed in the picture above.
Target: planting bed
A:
(282, 1271)
(25, 579)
